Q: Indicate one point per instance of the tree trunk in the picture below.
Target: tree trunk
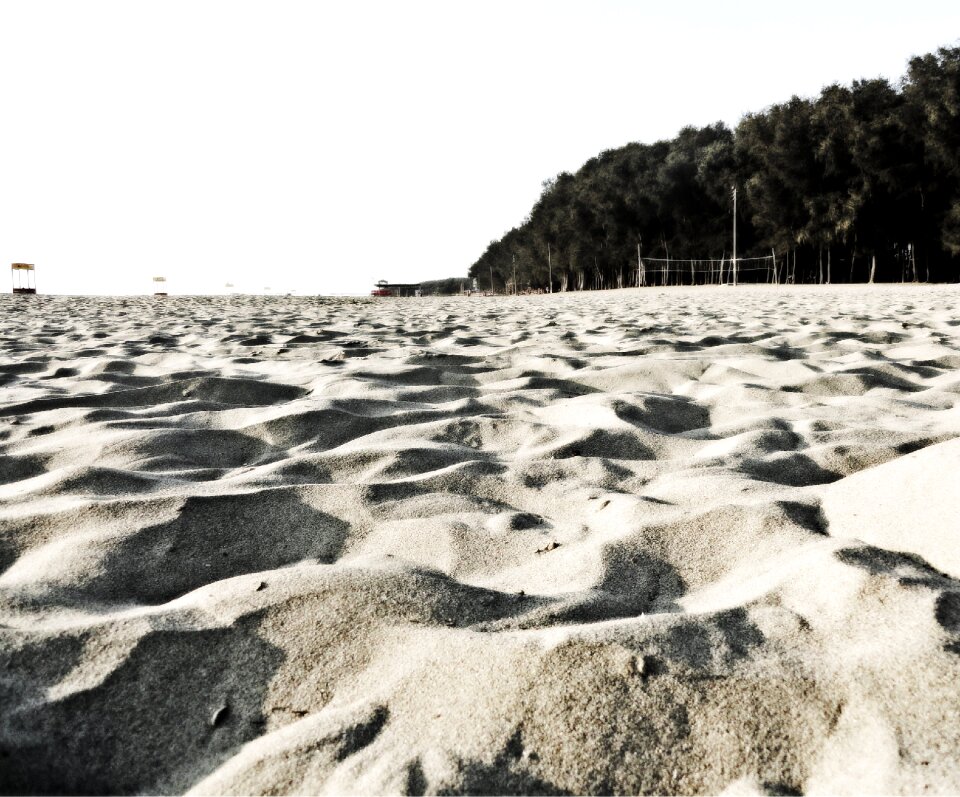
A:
(666, 274)
(549, 270)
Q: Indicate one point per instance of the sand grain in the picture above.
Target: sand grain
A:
(669, 541)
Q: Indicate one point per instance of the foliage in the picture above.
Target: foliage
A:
(864, 178)
(445, 287)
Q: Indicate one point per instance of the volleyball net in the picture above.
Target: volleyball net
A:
(708, 271)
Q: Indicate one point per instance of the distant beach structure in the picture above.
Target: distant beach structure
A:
(24, 277)
(160, 283)
(384, 288)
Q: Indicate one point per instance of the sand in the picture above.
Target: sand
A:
(692, 540)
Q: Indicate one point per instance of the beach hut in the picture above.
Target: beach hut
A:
(160, 286)
(23, 277)
(384, 288)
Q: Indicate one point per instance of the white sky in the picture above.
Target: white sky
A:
(317, 147)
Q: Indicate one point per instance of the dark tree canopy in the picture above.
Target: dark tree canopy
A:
(445, 287)
(861, 183)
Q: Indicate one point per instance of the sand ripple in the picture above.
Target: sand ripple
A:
(669, 541)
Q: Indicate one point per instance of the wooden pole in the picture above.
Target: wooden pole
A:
(665, 275)
(549, 268)
(734, 235)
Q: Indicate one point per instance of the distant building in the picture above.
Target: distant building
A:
(385, 288)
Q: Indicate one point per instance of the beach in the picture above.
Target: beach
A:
(666, 540)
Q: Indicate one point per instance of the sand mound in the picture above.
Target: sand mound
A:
(660, 541)
(909, 505)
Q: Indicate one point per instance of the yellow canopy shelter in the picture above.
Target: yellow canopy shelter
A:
(23, 277)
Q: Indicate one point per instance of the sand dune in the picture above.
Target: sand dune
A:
(668, 541)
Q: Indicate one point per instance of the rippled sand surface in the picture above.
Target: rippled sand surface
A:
(672, 541)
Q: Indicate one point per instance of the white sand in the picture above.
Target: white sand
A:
(672, 541)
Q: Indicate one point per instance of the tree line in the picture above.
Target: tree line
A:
(861, 183)
(445, 287)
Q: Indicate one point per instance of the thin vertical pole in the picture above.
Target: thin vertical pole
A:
(734, 235)
(549, 268)
(515, 275)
